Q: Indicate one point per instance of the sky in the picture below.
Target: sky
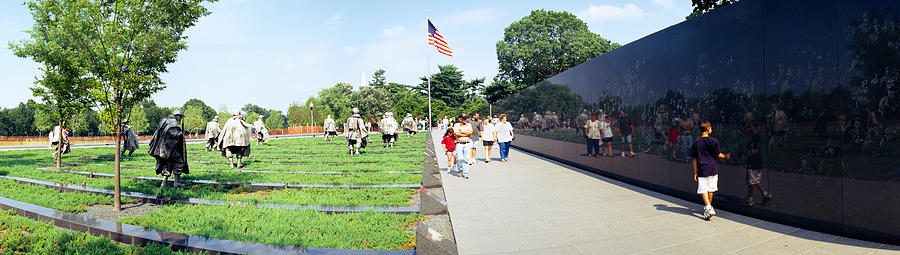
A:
(272, 53)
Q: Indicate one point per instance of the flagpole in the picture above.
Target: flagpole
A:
(428, 78)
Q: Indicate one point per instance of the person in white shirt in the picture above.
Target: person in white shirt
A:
(592, 131)
(488, 137)
(606, 127)
(504, 137)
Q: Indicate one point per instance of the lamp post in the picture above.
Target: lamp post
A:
(311, 120)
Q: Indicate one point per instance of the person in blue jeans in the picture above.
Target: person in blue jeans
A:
(462, 130)
(593, 133)
(504, 137)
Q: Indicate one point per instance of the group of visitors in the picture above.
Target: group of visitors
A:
(600, 132)
(460, 140)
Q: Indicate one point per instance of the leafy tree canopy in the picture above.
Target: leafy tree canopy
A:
(540, 46)
(704, 6)
(208, 112)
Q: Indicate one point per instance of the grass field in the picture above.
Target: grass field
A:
(20, 235)
(366, 230)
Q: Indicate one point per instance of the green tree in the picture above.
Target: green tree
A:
(448, 85)
(44, 120)
(378, 79)
(398, 87)
(154, 113)
(223, 118)
(275, 120)
(117, 48)
(58, 89)
(251, 117)
(319, 112)
(208, 112)
(410, 102)
(295, 114)
(540, 46)
(193, 119)
(223, 114)
(86, 123)
(254, 109)
(19, 121)
(138, 119)
(371, 101)
(336, 100)
(704, 6)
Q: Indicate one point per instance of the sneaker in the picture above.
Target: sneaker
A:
(712, 211)
(632, 154)
(766, 198)
(706, 214)
(750, 201)
(623, 154)
(465, 176)
(459, 174)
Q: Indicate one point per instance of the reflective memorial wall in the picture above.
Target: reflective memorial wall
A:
(819, 80)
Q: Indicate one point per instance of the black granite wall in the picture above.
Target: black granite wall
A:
(819, 79)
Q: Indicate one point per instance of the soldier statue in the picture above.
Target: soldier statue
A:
(234, 139)
(129, 137)
(212, 133)
(169, 149)
(580, 120)
(388, 127)
(356, 132)
(409, 125)
(538, 122)
(59, 136)
(262, 134)
(523, 123)
(330, 128)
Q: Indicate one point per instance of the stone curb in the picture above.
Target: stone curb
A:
(137, 235)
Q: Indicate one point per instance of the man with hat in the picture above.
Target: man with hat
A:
(409, 125)
(330, 128)
(262, 134)
(463, 130)
(388, 127)
(168, 147)
(234, 139)
(356, 132)
(212, 133)
(130, 139)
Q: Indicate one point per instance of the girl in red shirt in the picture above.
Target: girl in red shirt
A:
(449, 143)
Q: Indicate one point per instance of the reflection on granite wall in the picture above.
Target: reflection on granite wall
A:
(818, 80)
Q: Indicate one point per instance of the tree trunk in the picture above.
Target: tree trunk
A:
(117, 198)
(59, 146)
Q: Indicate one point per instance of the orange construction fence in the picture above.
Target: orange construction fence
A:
(32, 140)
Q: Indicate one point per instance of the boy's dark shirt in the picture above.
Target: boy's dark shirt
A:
(706, 150)
(624, 125)
(755, 160)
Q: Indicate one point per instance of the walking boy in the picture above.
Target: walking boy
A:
(754, 166)
(704, 152)
(626, 131)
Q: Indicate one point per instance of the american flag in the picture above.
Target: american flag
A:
(435, 38)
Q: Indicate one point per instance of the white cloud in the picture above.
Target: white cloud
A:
(609, 12)
(334, 20)
(469, 17)
(665, 3)
(350, 49)
(395, 31)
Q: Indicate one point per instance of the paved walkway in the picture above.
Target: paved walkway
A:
(531, 205)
